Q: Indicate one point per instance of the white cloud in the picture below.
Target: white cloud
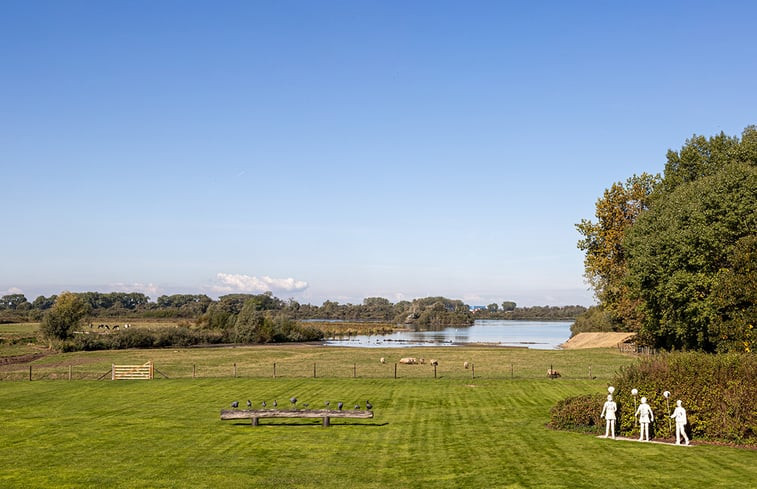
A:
(150, 290)
(230, 282)
(11, 291)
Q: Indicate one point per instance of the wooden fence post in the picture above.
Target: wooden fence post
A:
(395, 370)
(194, 370)
(512, 371)
(235, 370)
(30, 373)
(314, 374)
(434, 371)
(70, 371)
(354, 370)
(274, 370)
(473, 370)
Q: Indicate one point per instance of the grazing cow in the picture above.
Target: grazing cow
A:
(409, 360)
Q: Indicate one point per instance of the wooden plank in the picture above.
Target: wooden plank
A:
(227, 414)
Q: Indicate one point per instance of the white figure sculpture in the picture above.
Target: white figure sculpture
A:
(679, 414)
(644, 412)
(608, 412)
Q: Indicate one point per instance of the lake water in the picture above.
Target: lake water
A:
(545, 335)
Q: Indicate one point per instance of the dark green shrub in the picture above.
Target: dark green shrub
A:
(719, 393)
(578, 413)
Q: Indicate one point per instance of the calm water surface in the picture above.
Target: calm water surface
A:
(546, 335)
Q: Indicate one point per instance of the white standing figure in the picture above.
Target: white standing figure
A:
(608, 412)
(644, 412)
(679, 414)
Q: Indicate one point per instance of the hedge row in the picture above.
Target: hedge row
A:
(181, 336)
(719, 393)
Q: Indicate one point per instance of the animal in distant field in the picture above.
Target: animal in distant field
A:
(235, 404)
(339, 405)
(409, 360)
(434, 363)
(383, 360)
(115, 327)
(466, 365)
(293, 400)
(249, 403)
(422, 361)
(368, 405)
(263, 404)
(275, 403)
(553, 374)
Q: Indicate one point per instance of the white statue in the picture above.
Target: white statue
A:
(608, 412)
(644, 412)
(679, 414)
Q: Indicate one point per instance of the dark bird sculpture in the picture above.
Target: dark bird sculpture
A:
(249, 403)
(368, 405)
(235, 404)
(339, 405)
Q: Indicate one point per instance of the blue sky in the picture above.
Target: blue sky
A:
(343, 149)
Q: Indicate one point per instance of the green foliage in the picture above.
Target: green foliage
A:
(719, 393)
(178, 337)
(673, 258)
(14, 302)
(594, 319)
(436, 312)
(68, 312)
(578, 413)
(684, 247)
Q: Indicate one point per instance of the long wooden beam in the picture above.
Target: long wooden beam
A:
(293, 413)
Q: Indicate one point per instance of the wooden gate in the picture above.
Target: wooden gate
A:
(133, 372)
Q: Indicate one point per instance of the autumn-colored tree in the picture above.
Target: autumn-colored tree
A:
(605, 261)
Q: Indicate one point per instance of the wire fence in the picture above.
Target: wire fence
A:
(317, 370)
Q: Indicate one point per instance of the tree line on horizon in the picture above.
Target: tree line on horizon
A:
(429, 311)
(673, 257)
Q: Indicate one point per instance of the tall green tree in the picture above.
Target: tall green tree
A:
(688, 258)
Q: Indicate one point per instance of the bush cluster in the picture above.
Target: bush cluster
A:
(144, 338)
(719, 393)
(578, 413)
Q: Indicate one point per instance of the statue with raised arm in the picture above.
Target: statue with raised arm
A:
(644, 412)
(608, 412)
(679, 414)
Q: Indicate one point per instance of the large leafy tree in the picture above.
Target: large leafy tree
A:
(606, 261)
(689, 260)
(68, 312)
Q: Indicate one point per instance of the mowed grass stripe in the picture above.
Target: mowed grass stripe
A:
(448, 432)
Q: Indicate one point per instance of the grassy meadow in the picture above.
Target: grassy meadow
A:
(453, 431)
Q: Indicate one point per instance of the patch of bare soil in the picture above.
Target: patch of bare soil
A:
(596, 340)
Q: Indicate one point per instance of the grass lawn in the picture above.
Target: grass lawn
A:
(453, 432)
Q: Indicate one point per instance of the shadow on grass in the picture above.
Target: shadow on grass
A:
(308, 423)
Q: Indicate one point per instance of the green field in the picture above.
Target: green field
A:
(453, 431)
